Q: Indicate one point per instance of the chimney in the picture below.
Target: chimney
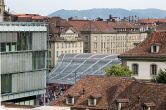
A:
(129, 18)
(132, 18)
(135, 18)
(110, 16)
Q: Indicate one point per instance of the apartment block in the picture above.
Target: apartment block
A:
(108, 37)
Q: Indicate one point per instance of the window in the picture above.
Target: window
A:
(57, 54)
(57, 45)
(61, 28)
(86, 45)
(154, 49)
(49, 54)
(39, 60)
(91, 101)
(62, 45)
(24, 41)
(95, 45)
(86, 37)
(70, 100)
(6, 83)
(135, 69)
(95, 38)
(153, 69)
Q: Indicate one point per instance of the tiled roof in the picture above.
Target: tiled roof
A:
(97, 86)
(140, 93)
(57, 26)
(116, 89)
(151, 20)
(161, 27)
(27, 18)
(101, 26)
(144, 49)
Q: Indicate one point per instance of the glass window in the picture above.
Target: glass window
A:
(154, 49)
(86, 45)
(91, 101)
(8, 47)
(154, 69)
(39, 60)
(69, 100)
(6, 83)
(135, 68)
(86, 37)
(95, 38)
(49, 54)
(13, 47)
(95, 45)
(3, 47)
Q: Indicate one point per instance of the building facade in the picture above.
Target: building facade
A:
(23, 61)
(108, 37)
(147, 58)
(63, 39)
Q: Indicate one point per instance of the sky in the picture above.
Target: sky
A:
(45, 7)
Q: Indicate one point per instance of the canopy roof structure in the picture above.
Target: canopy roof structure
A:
(70, 68)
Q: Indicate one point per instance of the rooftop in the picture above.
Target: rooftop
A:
(143, 50)
(97, 86)
(133, 93)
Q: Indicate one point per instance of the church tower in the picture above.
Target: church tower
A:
(2, 9)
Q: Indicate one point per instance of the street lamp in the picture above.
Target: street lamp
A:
(75, 77)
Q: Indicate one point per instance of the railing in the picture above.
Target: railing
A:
(23, 24)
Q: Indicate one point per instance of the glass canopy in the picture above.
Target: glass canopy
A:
(70, 68)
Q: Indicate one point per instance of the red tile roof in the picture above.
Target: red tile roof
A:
(101, 26)
(144, 48)
(97, 86)
(57, 26)
(116, 89)
(140, 93)
(151, 20)
(28, 18)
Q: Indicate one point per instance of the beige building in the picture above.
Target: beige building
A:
(109, 37)
(111, 43)
(63, 39)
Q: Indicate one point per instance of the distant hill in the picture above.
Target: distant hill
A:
(115, 12)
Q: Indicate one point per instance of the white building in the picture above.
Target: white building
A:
(148, 58)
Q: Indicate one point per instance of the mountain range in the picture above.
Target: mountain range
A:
(104, 13)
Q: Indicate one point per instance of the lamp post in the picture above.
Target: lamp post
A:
(75, 77)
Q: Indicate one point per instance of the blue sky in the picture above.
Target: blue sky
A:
(45, 7)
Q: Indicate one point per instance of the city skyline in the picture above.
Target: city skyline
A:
(47, 7)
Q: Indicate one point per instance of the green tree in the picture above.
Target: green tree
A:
(161, 78)
(116, 70)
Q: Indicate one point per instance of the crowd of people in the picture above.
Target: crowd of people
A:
(50, 96)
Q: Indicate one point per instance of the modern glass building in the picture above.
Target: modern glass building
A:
(70, 68)
(23, 61)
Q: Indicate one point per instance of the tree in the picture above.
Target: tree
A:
(161, 78)
(116, 70)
